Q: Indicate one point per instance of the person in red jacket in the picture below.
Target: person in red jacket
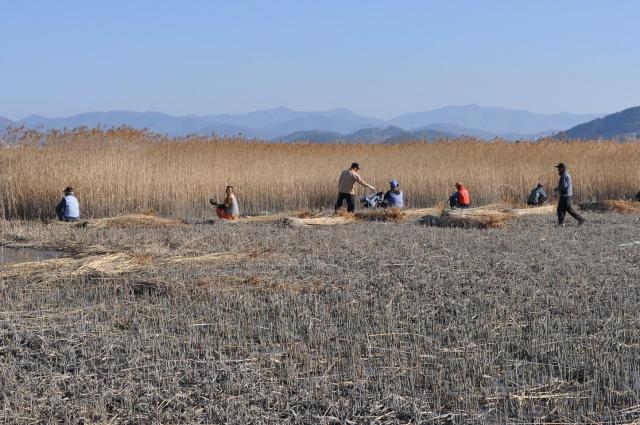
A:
(460, 198)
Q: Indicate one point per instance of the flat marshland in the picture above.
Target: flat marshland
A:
(179, 319)
(371, 322)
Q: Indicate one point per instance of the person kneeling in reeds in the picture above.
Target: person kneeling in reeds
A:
(229, 209)
(394, 197)
(537, 196)
(460, 198)
(68, 209)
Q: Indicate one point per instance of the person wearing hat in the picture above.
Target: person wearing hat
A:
(460, 198)
(394, 198)
(68, 209)
(565, 190)
(229, 209)
(537, 196)
(348, 179)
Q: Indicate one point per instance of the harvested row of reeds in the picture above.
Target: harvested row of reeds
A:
(542, 210)
(620, 206)
(318, 221)
(486, 217)
(387, 214)
(146, 219)
(114, 264)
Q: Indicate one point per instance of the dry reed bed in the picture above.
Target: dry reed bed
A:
(619, 206)
(122, 170)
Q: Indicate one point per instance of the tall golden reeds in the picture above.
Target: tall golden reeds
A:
(122, 170)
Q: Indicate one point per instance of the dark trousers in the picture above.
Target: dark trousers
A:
(351, 206)
(564, 207)
(455, 203)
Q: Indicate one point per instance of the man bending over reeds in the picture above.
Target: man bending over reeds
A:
(348, 179)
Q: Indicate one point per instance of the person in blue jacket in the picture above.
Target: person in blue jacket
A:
(394, 198)
(68, 209)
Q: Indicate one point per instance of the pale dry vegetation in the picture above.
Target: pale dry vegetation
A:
(124, 170)
(371, 322)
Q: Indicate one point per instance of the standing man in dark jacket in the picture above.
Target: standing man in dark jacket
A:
(565, 191)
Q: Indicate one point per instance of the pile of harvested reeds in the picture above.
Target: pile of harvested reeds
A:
(318, 221)
(387, 214)
(620, 206)
(542, 210)
(114, 264)
(147, 219)
(479, 218)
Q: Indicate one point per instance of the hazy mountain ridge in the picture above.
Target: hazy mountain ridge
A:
(621, 124)
(389, 134)
(281, 123)
(492, 119)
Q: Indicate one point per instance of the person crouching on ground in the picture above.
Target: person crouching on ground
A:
(460, 198)
(565, 190)
(68, 209)
(348, 178)
(394, 198)
(229, 209)
(537, 196)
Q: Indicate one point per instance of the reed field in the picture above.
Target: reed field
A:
(124, 170)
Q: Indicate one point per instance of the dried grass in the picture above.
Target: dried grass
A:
(542, 210)
(115, 264)
(620, 206)
(486, 217)
(122, 170)
(390, 214)
(146, 219)
(318, 221)
(476, 218)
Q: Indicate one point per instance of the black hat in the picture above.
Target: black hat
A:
(68, 189)
(561, 165)
(355, 165)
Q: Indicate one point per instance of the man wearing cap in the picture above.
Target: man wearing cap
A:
(394, 198)
(68, 209)
(565, 190)
(345, 187)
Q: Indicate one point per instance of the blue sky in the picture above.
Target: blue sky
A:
(378, 58)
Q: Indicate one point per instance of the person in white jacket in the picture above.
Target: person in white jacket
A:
(68, 209)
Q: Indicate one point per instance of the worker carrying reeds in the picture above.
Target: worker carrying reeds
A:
(565, 191)
(348, 179)
(229, 209)
(393, 198)
(460, 198)
(68, 209)
(537, 196)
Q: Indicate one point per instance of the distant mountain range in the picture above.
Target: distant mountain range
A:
(4, 123)
(337, 124)
(615, 126)
(389, 134)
